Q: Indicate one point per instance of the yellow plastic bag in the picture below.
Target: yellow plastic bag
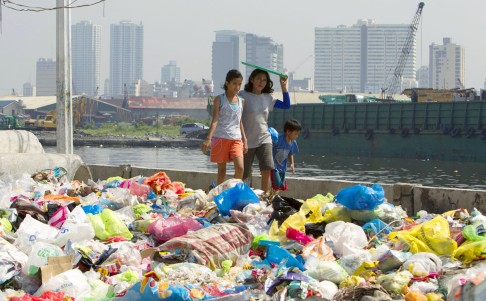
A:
(431, 236)
(471, 250)
(311, 208)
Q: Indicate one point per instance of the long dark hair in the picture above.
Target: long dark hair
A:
(268, 87)
(231, 75)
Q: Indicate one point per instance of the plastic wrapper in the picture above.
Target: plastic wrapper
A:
(318, 249)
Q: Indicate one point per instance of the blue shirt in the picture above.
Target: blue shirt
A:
(281, 152)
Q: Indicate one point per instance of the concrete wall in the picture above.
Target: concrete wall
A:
(410, 196)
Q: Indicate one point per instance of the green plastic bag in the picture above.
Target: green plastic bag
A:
(108, 224)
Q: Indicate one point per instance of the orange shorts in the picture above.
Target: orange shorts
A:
(224, 150)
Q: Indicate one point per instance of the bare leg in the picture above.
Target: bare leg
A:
(238, 167)
(265, 180)
(221, 172)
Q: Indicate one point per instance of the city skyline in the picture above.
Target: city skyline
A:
(183, 31)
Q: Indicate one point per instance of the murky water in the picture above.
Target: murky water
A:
(429, 173)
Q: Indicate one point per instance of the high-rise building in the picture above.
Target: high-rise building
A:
(228, 50)
(46, 77)
(446, 64)
(171, 73)
(360, 58)
(28, 89)
(126, 56)
(264, 52)
(86, 58)
(423, 77)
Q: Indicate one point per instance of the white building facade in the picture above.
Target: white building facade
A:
(446, 65)
(86, 58)
(361, 58)
(126, 56)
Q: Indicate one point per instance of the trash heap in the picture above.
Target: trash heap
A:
(151, 238)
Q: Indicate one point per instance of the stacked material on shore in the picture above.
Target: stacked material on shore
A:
(152, 238)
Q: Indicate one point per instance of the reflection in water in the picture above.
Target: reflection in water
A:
(425, 172)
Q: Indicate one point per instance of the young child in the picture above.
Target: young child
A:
(226, 136)
(285, 148)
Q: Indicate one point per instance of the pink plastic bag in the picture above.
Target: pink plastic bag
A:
(166, 228)
(298, 236)
(139, 189)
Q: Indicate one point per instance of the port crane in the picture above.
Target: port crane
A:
(394, 81)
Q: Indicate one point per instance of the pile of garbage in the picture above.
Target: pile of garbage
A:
(152, 238)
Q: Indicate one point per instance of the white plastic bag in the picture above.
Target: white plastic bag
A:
(30, 231)
(324, 270)
(76, 228)
(346, 238)
(72, 282)
(39, 256)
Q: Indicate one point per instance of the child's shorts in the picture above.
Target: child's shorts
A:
(278, 180)
(225, 150)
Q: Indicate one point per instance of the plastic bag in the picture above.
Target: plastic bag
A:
(108, 224)
(30, 231)
(166, 228)
(274, 134)
(235, 198)
(76, 228)
(325, 270)
(39, 256)
(422, 264)
(278, 255)
(318, 249)
(470, 251)
(431, 236)
(360, 197)
(72, 282)
(394, 282)
(347, 238)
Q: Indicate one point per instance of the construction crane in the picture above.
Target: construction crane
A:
(394, 81)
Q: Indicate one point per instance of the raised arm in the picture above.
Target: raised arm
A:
(285, 104)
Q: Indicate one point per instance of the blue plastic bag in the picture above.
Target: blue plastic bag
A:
(274, 134)
(279, 255)
(235, 198)
(360, 197)
(376, 226)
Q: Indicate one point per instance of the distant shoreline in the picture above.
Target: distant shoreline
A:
(49, 139)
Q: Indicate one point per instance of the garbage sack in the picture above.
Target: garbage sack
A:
(166, 228)
(235, 198)
(360, 197)
(108, 224)
(212, 245)
(430, 236)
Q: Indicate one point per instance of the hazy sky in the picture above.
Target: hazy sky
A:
(183, 30)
